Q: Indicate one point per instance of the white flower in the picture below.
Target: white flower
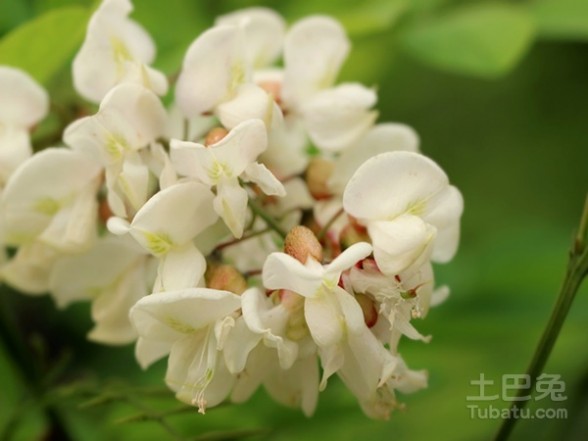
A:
(409, 209)
(216, 78)
(222, 165)
(130, 118)
(52, 198)
(331, 313)
(335, 117)
(166, 226)
(189, 325)
(23, 103)
(116, 50)
(114, 275)
(30, 269)
(264, 31)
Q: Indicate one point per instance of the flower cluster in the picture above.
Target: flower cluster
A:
(261, 230)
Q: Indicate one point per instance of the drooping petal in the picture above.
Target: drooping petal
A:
(297, 386)
(390, 184)
(337, 118)
(214, 67)
(257, 313)
(24, 101)
(182, 267)
(324, 320)
(241, 341)
(381, 138)
(314, 50)
(264, 33)
(260, 175)
(399, 243)
(148, 351)
(230, 204)
(282, 271)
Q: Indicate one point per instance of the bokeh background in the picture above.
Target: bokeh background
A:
(500, 101)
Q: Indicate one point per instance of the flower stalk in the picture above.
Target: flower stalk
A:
(576, 271)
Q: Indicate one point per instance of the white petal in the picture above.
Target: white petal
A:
(349, 257)
(29, 270)
(239, 344)
(381, 138)
(269, 184)
(250, 102)
(213, 69)
(181, 268)
(148, 352)
(173, 217)
(15, 148)
(169, 316)
(285, 155)
(337, 118)
(264, 33)
(112, 41)
(40, 188)
(324, 320)
(230, 204)
(390, 184)
(24, 101)
(282, 271)
(399, 243)
(314, 51)
(444, 211)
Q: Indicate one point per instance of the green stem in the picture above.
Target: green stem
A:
(269, 220)
(576, 272)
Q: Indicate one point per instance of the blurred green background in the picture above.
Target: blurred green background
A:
(498, 92)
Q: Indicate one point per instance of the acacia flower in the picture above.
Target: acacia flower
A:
(221, 165)
(116, 50)
(190, 326)
(409, 208)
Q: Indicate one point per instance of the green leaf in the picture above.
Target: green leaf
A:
(43, 46)
(562, 19)
(13, 12)
(484, 40)
(371, 17)
(358, 18)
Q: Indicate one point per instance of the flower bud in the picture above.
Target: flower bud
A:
(317, 176)
(274, 88)
(301, 243)
(370, 313)
(104, 211)
(226, 278)
(215, 135)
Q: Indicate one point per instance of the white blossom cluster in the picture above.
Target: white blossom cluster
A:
(261, 230)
